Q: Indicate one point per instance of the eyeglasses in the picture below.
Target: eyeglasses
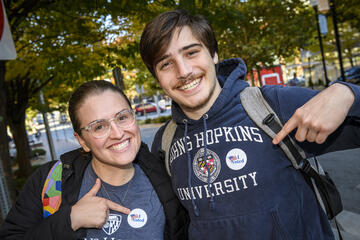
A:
(101, 128)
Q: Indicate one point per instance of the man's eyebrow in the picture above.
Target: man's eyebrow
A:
(190, 46)
(162, 58)
(181, 50)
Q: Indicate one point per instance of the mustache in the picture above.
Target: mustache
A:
(190, 77)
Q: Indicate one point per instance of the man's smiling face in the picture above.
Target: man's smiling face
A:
(186, 72)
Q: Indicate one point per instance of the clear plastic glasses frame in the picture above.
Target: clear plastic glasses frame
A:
(101, 128)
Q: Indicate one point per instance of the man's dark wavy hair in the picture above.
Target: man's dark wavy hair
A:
(158, 33)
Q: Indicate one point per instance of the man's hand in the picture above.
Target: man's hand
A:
(92, 211)
(320, 116)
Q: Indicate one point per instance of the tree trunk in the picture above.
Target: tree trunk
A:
(6, 160)
(351, 62)
(4, 142)
(22, 145)
(349, 56)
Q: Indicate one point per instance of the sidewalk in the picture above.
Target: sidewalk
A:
(61, 146)
(349, 224)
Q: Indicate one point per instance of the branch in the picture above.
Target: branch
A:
(43, 84)
(38, 40)
(55, 36)
(21, 11)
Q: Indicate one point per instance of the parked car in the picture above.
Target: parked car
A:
(352, 75)
(147, 107)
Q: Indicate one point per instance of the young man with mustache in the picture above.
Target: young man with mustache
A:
(233, 179)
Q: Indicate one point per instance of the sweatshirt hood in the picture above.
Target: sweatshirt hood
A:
(230, 74)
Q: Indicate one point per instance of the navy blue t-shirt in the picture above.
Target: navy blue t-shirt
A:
(147, 218)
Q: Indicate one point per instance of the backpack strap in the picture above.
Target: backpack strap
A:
(166, 140)
(266, 119)
(51, 193)
(258, 109)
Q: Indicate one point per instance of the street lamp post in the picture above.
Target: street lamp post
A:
(321, 46)
(307, 54)
(310, 80)
(338, 46)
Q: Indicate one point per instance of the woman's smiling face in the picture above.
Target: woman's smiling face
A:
(120, 147)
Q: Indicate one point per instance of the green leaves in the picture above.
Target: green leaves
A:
(74, 41)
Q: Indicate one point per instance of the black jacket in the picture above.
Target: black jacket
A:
(25, 220)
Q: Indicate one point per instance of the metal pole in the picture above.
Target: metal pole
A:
(310, 80)
(47, 130)
(49, 137)
(143, 105)
(338, 46)
(321, 47)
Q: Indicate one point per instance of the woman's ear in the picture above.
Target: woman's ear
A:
(82, 142)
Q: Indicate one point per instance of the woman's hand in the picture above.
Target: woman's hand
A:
(92, 211)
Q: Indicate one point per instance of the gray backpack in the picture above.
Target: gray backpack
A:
(266, 119)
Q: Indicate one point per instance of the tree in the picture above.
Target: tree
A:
(42, 42)
(59, 44)
(348, 16)
(20, 13)
(260, 32)
(349, 11)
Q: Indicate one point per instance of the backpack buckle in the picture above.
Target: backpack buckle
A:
(268, 119)
(305, 166)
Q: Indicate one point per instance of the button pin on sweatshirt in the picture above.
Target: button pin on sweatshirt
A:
(137, 218)
(236, 159)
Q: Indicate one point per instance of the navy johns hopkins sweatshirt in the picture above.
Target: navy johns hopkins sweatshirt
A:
(252, 192)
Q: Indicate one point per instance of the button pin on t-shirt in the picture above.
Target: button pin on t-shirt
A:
(137, 218)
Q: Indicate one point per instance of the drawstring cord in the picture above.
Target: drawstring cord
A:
(196, 210)
(211, 201)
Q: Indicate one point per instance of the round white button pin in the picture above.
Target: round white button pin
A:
(236, 159)
(137, 218)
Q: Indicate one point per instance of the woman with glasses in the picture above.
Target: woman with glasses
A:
(111, 188)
